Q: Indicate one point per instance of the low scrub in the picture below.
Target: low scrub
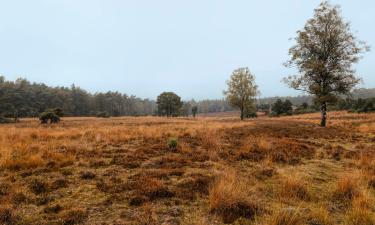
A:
(21, 162)
(7, 216)
(284, 150)
(172, 143)
(149, 189)
(49, 117)
(102, 115)
(293, 188)
(73, 216)
(38, 186)
(229, 198)
(347, 188)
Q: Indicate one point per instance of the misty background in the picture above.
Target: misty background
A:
(147, 47)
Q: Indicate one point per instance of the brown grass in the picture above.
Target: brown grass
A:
(120, 170)
(359, 216)
(347, 188)
(7, 216)
(293, 188)
(288, 216)
(230, 198)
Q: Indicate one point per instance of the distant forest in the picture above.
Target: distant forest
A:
(25, 99)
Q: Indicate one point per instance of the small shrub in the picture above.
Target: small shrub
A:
(172, 143)
(87, 175)
(59, 183)
(43, 200)
(66, 172)
(53, 209)
(280, 108)
(18, 198)
(251, 114)
(73, 216)
(7, 216)
(102, 115)
(50, 117)
(4, 189)
(137, 200)
(37, 186)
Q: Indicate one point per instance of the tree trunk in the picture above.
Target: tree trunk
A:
(242, 114)
(323, 110)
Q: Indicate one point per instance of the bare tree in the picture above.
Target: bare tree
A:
(324, 53)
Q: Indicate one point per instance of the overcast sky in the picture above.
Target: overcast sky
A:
(144, 47)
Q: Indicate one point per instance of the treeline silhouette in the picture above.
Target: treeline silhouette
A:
(22, 98)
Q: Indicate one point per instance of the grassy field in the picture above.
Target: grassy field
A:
(146, 170)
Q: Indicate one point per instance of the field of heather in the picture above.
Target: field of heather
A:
(209, 170)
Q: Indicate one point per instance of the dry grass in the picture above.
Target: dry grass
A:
(231, 198)
(295, 189)
(284, 170)
(347, 188)
(288, 216)
(359, 216)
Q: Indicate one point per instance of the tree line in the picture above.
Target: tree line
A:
(21, 98)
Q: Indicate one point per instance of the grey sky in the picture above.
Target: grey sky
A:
(144, 47)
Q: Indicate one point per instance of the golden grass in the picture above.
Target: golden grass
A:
(288, 216)
(295, 189)
(231, 198)
(119, 170)
(359, 216)
(347, 188)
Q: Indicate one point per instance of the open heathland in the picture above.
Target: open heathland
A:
(208, 170)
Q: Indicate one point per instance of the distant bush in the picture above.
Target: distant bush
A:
(58, 111)
(280, 108)
(102, 115)
(49, 116)
(251, 114)
(172, 143)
